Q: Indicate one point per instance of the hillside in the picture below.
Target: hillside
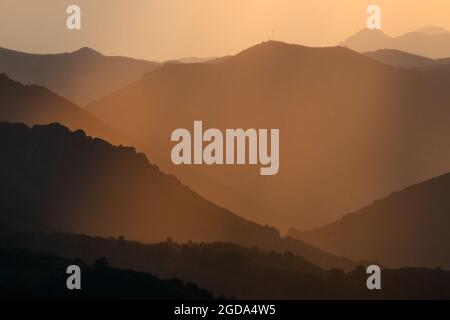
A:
(81, 76)
(348, 124)
(398, 58)
(407, 228)
(402, 59)
(224, 268)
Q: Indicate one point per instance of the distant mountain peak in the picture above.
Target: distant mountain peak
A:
(420, 210)
(3, 76)
(87, 51)
(431, 42)
(432, 30)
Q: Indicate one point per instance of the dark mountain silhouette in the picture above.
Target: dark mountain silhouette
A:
(52, 179)
(26, 275)
(210, 60)
(32, 104)
(80, 76)
(351, 128)
(398, 58)
(431, 42)
(402, 59)
(407, 228)
(222, 268)
(225, 268)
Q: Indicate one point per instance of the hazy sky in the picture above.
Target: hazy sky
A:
(166, 29)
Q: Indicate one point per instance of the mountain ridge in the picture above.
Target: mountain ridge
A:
(317, 97)
(64, 181)
(397, 58)
(406, 228)
(80, 76)
(35, 104)
(432, 45)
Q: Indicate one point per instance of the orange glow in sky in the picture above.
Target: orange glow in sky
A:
(167, 29)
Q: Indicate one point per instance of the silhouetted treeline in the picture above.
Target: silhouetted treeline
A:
(26, 275)
(230, 270)
(407, 228)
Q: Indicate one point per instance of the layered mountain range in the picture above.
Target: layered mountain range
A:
(352, 129)
(80, 76)
(407, 228)
(52, 179)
